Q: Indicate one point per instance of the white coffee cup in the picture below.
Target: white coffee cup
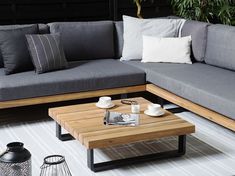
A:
(154, 108)
(135, 108)
(105, 101)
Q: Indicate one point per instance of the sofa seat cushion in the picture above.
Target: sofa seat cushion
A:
(80, 76)
(206, 85)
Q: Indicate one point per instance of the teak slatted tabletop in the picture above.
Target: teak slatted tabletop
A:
(84, 122)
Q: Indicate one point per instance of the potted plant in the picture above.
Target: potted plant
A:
(139, 7)
(222, 11)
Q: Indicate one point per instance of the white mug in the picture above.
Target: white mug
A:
(105, 100)
(135, 108)
(154, 108)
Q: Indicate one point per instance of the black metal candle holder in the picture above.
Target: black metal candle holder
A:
(16, 160)
(55, 165)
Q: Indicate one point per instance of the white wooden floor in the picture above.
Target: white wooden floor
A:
(210, 151)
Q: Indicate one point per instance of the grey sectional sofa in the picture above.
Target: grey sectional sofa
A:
(93, 49)
(209, 83)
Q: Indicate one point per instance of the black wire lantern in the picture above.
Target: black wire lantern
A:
(16, 160)
(55, 165)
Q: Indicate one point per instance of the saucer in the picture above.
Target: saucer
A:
(102, 106)
(159, 113)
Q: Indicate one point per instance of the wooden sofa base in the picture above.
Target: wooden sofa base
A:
(195, 108)
(70, 96)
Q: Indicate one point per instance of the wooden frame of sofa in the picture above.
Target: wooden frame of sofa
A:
(195, 108)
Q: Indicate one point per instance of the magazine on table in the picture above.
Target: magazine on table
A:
(116, 118)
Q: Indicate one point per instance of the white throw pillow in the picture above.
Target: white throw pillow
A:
(135, 28)
(173, 50)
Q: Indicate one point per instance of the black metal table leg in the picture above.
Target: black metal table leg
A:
(182, 144)
(60, 136)
(96, 167)
(161, 101)
(90, 159)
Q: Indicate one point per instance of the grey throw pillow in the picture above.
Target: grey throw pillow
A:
(47, 52)
(135, 28)
(14, 50)
(43, 29)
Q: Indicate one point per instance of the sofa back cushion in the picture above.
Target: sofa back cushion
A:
(220, 50)
(118, 36)
(14, 49)
(198, 31)
(86, 40)
(43, 29)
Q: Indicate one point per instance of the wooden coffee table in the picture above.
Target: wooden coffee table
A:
(84, 122)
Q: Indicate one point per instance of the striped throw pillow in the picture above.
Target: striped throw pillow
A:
(46, 52)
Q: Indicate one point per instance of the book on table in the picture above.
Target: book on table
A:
(116, 118)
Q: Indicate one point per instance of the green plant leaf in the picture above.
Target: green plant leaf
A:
(206, 10)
